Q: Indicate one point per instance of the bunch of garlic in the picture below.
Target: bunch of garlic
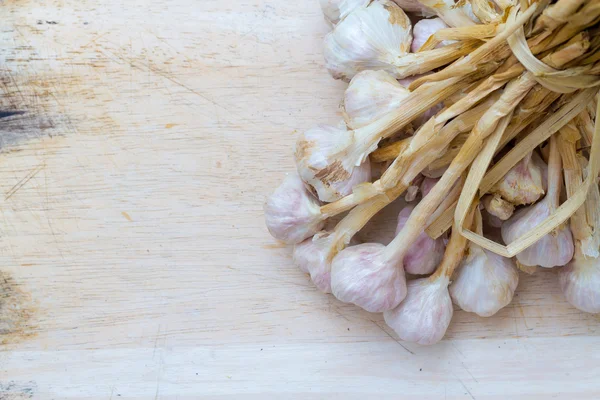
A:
(428, 130)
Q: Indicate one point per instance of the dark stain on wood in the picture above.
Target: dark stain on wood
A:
(16, 311)
(13, 390)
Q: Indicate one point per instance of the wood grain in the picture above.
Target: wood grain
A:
(133, 251)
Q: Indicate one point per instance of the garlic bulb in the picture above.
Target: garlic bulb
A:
(523, 184)
(425, 28)
(425, 253)
(555, 248)
(336, 10)
(291, 212)
(427, 185)
(330, 178)
(424, 315)
(314, 256)
(371, 37)
(580, 282)
(485, 281)
(362, 275)
(369, 96)
(414, 6)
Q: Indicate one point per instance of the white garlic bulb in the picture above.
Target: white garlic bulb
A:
(485, 282)
(557, 247)
(425, 253)
(580, 283)
(554, 249)
(364, 276)
(292, 214)
(424, 315)
(523, 184)
(371, 37)
(369, 96)
(331, 178)
(425, 28)
(336, 10)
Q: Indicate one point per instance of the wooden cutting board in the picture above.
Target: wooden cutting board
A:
(134, 259)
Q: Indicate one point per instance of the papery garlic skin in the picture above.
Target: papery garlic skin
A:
(424, 315)
(292, 213)
(370, 38)
(362, 275)
(425, 253)
(454, 14)
(553, 249)
(523, 184)
(336, 10)
(414, 6)
(580, 283)
(485, 282)
(330, 180)
(312, 257)
(371, 95)
(423, 29)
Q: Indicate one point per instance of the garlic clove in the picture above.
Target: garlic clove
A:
(498, 207)
(362, 275)
(580, 283)
(291, 213)
(336, 10)
(425, 253)
(424, 315)
(425, 28)
(326, 163)
(485, 282)
(414, 6)
(371, 37)
(371, 95)
(523, 184)
(554, 249)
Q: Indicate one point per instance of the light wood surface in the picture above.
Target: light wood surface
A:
(134, 259)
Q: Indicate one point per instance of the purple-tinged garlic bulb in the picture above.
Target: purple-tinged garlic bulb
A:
(371, 37)
(369, 96)
(414, 6)
(424, 315)
(425, 253)
(523, 184)
(292, 213)
(336, 10)
(485, 281)
(580, 282)
(314, 256)
(363, 275)
(425, 28)
(331, 178)
(557, 247)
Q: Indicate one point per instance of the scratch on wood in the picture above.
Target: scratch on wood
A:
(465, 387)
(23, 181)
(127, 216)
(393, 338)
